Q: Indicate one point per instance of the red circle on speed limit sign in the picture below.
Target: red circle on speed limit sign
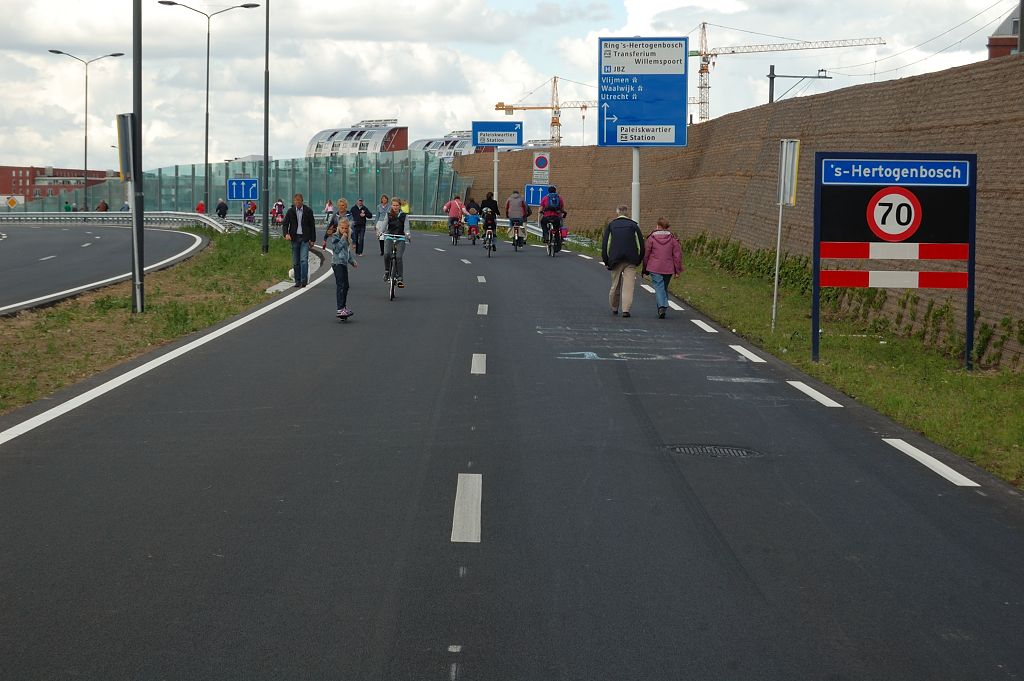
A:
(894, 214)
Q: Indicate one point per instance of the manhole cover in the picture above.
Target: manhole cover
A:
(715, 451)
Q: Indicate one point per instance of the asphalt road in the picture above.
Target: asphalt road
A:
(297, 499)
(43, 263)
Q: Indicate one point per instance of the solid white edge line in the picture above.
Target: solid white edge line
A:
(481, 309)
(110, 280)
(675, 306)
(49, 257)
(479, 365)
(814, 394)
(466, 515)
(481, 279)
(649, 289)
(90, 395)
(930, 462)
(704, 326)
(747, 353)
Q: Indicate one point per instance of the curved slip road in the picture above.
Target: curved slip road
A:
(41, 264)
(492, 478)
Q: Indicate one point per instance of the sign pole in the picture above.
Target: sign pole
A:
(634, 196)
(789, 162)
(495, 173)
(138, 187)
(778, 257)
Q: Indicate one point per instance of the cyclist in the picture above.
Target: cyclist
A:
(454, 209)
(517, 211)
(472, 224)
(396, 235)
(490, 227)
(552, 210)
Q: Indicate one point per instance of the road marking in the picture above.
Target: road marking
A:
(75, 402)
(481, 279)
(439, 250)
(96, 237)
(747, 353)
(739, 379)
(580, 255)
(675, 306)
(466, 518)
(454, 649)
(481, 310)
(649, 289)
(538, 245)
(87, 244)
(811, 392)
(703, 326)
(934, 464)
(49, 257)
(466, 261)
(479, 365)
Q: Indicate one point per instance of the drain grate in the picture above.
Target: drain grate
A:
(715, 451)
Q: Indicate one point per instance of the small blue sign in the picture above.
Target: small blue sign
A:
(497, 133)
(534, 193)
(896, 171)
(243, 188)
(642, 87)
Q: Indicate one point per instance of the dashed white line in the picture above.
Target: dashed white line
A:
(466, 517)
(814, 394)
(747, 353)
(479, 365)
(675, 306)
(49, 257)
(538, 246)
(934, 464)
(466, 261)
(439, 250)
(649, 289)
(481, 310)
(481, 279)
(704, 326)
(87, 244)
(587, 257)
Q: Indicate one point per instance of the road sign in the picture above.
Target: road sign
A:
(243, 189)
(541, 167)
(894, 207)
(534, 193)
(14, 201)
(498, 133)
(642, 92)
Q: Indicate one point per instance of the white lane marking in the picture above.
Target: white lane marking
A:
(580, 255)
(649, 289)
(114, 383)
(747, 353)
(481, 310)
(466, 517)
(89, 243)
(439, 250)
(198, 242)
(466, 261)
(739, 379)
(481, 279)
(49, 257)
(479, 365)
(454, 649)
(703, 326)
(675, 306)
(96, 237)
(934, 464)
(538, 246)
(814, 394)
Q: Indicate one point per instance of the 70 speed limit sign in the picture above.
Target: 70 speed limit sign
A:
(894, 214)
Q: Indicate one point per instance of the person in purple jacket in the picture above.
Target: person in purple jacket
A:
(663, 259)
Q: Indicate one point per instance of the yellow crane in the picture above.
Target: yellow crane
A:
(707, 56)
(555, 108)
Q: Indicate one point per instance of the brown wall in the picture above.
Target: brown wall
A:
(724, 182)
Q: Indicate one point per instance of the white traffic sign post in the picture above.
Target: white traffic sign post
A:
(642, 96)
(497, 134)
(789, 162)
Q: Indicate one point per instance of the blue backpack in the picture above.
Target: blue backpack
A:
(554, 202)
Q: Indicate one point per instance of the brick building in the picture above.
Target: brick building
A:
(34, 182)
(1004, 41)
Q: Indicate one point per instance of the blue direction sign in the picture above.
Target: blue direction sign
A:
(642, 92)
(534, 193)
(243, 189)
(497, 133)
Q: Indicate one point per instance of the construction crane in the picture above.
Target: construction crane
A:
(707, 56)
(555, 108)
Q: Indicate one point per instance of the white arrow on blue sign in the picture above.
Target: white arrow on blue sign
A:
(534, 193)
(243, 189)
(497, 133)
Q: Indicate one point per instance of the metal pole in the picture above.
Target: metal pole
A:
(138, 272)
(266, 136)
(771, 83)
(635, 189)
(778, 256)
(206, 144)
(1020, 27)
(495, 172)
(85, 162)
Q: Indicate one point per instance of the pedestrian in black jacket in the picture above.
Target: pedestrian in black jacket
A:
(489, 202)
(359, 214)
(300, 229)
(622, 250)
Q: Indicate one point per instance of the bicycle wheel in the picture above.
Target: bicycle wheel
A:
(391, 279)
(489, 247)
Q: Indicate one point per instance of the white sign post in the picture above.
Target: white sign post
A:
(789, 162)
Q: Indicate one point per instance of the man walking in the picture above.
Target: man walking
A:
(359, 214)
(622, 249)
(300, 229)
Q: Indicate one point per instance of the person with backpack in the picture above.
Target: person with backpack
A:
(552, 211)
(663, 259)
(622, 249)
(517, 211)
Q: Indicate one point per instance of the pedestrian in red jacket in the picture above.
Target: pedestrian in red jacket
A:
(663, 259)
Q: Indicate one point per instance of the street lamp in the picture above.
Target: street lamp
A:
(85, 161)
(206, 144)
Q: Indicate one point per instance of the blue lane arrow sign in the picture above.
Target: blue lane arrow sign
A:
(243, 189)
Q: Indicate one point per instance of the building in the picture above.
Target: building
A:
(1004, 40)
(364, 137)
(455, 143)
(34, 182)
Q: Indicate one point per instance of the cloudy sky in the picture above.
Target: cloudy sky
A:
(436, 65)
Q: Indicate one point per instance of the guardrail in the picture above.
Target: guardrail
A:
(151, 219)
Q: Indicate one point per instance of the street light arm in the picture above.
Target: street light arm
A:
(248, 5)
(66, 54)
(181, 4)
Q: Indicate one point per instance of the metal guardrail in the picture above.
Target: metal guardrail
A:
(151, 219)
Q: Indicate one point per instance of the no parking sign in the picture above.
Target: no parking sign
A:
(894, 207)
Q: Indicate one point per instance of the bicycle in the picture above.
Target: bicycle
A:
(489, 242)
(455, 230)
(554, 236)
(514, 226)
(392, 277)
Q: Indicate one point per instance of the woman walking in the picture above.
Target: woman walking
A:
(381, 219)
(340, 240)
(663, 259)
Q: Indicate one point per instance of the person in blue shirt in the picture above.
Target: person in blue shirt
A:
(472, 224)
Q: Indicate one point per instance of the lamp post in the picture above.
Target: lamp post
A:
(206, 144)
(85, 160)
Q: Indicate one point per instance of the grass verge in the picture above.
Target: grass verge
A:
(45, 349)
